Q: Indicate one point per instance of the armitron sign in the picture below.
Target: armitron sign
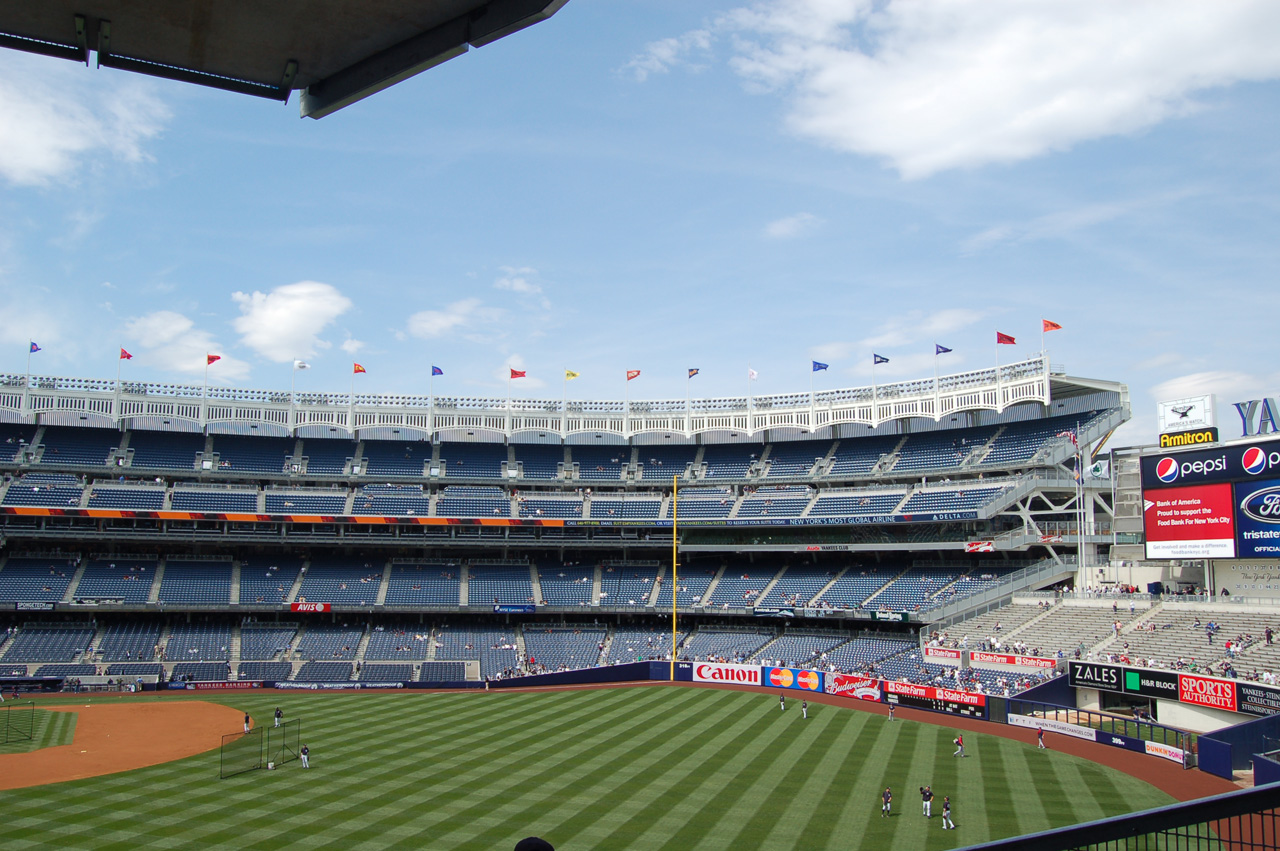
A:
(743, 675)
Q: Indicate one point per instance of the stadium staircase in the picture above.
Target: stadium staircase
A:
(597, 585)
(233, 649)
(825, 588)
(464, 586)
(715, 580)
(95, 642)
(297, 583)
(887, 463)
(698, 469)
(1013, 633)
(235, 584)
(153, 596)
(167, 504)
(869, 602)
(522, 652)
(358, 661)
(431, 646)
(384, 584)
(357, 462)
(586, 505)
(349, 506)
(36, 446)
(606, 645)
(536, 582)
(737, 504)
(84, 496)
(657, 587)
(297, 457)
(75, 581)
(777, 577)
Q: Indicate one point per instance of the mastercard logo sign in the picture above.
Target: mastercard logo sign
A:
(781, 677)
(808, 679)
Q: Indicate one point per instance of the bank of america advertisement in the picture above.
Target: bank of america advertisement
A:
(1191, 522)
(1258, 518)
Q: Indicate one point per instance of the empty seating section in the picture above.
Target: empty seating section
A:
(854, 504)
(859, 456)
(601, 463)
(48, 644)
(392, 501)
(797, 586)
(196, 582)
(661, 463)
(631, 508)
(199, 671)
(563, 647)
(1021, 441)
(338, 581)
(264, 580)
(329, 642)
(402, 642)
(473, 460)
(13, 439)
(243, 454)
(25, 491)
(327, 456)
(324, 672)
(915, 588)
(442, 672)
(306, 503)
(710, 644)
(198, 643)
(162, 450)
(66, 669)
(266, 671)
(796, 650)
(132, 641)
(796, 459)
(127, 498)
(135, 669)
(261, 643)
(386, 673)
(74, 446)
(494, 648)
(702, 504)
(729, 461)
(219, 501)
(856, 585)
(741, 587)
(394, 458)
(860, 653)
(29, 579)
(627, 584)
(1069, 627)
(538, 461)
(979, 628)
(638, 643)
(470, 501)
(940, 450)
(117, 579)
(771, 502)
(499, 585)
(562, 509)
(692, 590)
(948, 500)
(564, 585)
(424, 584)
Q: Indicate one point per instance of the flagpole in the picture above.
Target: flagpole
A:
(564, 406)
(204, 394)
(937, 396)
(874, 404)
(688, 402)
(675, 514)
(119, 363)
(26, 384)
(999, 395)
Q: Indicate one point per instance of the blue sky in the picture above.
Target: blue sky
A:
(658, 185)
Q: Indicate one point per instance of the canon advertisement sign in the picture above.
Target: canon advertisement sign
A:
(742, 675)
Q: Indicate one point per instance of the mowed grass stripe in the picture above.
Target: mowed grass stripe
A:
(858, 733)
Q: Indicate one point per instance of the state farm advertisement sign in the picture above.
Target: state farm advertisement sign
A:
(941, 653)
(852, 685)
(710, 672)
(794, 678)
(1012, 659)
(1190, 522)
(930, 693)
(310, 607)
(1203, 691)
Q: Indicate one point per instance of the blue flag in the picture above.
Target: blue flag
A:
(818, 367)
(878, 359)
(435, 370)
(692, 373)
(34, 348)
(940, 350)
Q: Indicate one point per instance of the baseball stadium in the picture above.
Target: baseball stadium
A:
(941, 612)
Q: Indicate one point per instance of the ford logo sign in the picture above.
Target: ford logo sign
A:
(1263, 505)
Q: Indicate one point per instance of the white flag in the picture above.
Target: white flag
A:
(752, 374)
(301, 364)
(1100, 469)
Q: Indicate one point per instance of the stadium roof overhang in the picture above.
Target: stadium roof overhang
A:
(335, 51)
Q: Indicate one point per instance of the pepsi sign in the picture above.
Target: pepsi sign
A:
(1205, 466)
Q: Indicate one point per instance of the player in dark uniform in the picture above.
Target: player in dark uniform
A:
(926, 796)
(782, 701)
(804, 709)
(947, 823)
(279, 716)
(887, 798)
(305, 756)
(1040, 737)
(246, 722)
(890, 711)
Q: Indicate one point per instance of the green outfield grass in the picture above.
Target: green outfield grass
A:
(632, 768)
(50, 729)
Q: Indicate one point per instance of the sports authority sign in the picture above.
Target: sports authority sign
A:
(742, 675)
(310, 607)
(1190, 522)
(1206, 691)
(793, 678)
(979, 656)
(852, 685)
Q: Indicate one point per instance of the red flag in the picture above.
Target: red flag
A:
(1004, 340)
(1051, 326)
(211, 358)
(632, 373)
(517, 373)
(125, 355)
(357, 369)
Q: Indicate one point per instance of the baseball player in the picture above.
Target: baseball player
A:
(246, 722)
(947, 823)
(279, 716)
(926, 796)
(890, 711)
(959, 743)
(887, 798)
(782, 701)
(804, 709)
(1040, 738)
(305, 756)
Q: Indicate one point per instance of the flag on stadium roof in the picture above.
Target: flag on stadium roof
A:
(435, 370)
(1050, 325)
(1070, 434)
(692, 373)
(818, 367)
(212, 359)
(878, 359)
(301, 364)
(34, 347)
(752, 375)
(356, 369)
(569, 375)
(1005, 340)
(125, 355)
(940, 350)
(632, 373)
(517, 373)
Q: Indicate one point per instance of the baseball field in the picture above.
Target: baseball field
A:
(621, 768)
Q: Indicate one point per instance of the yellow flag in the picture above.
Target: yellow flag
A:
(569, 375)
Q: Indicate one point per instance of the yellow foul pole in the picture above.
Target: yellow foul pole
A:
(675, 490)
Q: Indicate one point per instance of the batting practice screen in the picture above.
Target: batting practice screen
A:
(241, 752)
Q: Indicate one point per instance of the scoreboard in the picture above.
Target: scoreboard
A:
(953, 701)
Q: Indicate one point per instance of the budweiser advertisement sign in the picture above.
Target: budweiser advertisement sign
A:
(852, 685)
(980, 547)
(1012, 659)
(311, 607)
(1206, 691)
(710, 672)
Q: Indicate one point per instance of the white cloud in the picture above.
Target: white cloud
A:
(791, 226)
(469, 316)
(915, 326)
(966, 83)
(910, 328)
(517, 280)
(351, 345)
(54, 116)
(1228, 385)
(170, 341)
(285, 323)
